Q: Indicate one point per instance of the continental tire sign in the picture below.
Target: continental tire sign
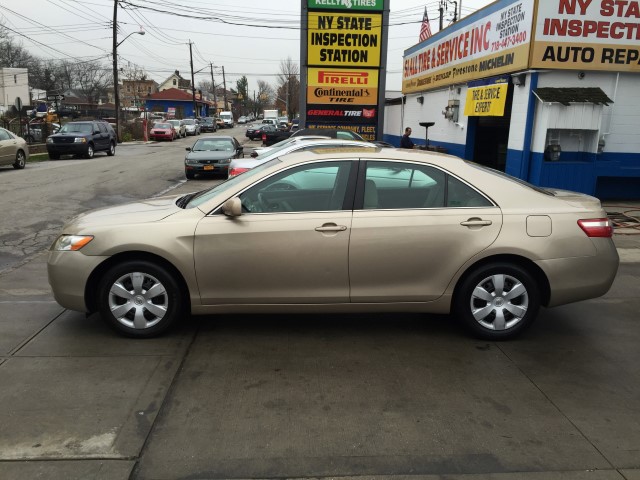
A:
(343, 50)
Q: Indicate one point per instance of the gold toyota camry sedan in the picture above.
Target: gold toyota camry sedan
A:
(340, 230)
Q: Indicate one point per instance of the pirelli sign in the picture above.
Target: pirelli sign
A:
(342, 86)
(343, 50)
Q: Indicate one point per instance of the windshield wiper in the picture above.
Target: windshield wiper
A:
(184, 201)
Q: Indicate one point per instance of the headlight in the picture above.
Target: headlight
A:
(66, 243)
(190, 161)
(226, 160)
(80, 140)
(49, 140)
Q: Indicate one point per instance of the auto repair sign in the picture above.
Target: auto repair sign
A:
(342, 86)
(588, 35)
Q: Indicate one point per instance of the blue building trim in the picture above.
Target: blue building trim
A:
(518, 161)
(452, 148)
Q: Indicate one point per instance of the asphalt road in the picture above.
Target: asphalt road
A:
(316, 396)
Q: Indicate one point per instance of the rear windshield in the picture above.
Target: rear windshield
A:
(506, 176)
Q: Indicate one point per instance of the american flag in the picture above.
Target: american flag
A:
(425, 29)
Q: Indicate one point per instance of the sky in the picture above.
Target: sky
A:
(263, 33)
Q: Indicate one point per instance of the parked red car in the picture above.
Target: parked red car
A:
(163, 131)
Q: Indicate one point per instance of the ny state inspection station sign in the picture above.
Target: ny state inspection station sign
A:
(345, 41)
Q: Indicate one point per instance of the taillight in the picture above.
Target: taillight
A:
(264, 137)
(237, 171)
(596, 227)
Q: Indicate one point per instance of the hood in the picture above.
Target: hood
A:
(71, 135)
(145, 211)
(210, 155)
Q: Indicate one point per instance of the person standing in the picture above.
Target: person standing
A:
(406, 140)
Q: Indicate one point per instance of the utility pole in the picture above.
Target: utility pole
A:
(224, 82)
(193, 83)
(215, 97)
(441, 13)
(116, 93)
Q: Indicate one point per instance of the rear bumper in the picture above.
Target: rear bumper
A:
(581, 278)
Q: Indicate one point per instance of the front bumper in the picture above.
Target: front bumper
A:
(161, 136)
(212, 169)
(68, 274)
(67, 148)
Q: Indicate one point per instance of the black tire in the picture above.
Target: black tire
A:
(190, 175)
(21, 160)
(89, 153)
(482, 304)
(153, 314)
(54, 156)
(112, 149)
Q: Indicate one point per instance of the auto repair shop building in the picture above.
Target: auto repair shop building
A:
(545, 90)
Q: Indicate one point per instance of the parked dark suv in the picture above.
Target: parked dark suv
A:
(82, 138)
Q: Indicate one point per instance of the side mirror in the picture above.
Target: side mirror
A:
(232, 207)
(188, 149)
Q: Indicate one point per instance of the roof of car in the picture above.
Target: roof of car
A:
(371, 153)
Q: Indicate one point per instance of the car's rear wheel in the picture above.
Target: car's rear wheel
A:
(89, 153)
(139, 299)
(21, 160)
(112, 149)
(497, 301)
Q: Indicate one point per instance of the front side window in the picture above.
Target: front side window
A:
(316, 187)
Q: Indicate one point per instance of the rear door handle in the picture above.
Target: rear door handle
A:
(476, 222)
(331, 227)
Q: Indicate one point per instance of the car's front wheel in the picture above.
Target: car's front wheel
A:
(497, 301)
(190, 175)
(112, 149)
(89, 153)
(20, 161)
(139, 298)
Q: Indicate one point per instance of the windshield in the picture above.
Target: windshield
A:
(213, 145)
(162, 126)
(175, 122)
(207, 195)
(77, 128)
(189, 122)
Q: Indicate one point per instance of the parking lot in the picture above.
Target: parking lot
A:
(292, 396)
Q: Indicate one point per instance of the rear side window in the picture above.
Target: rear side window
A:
(102, 127)
(461, 195)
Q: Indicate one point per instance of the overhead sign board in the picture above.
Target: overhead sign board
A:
(587, 35)
(352, 40)
(494, 41)
(342, 86)
(346, 4)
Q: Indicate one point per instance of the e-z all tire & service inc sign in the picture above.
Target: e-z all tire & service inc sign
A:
(343, 51)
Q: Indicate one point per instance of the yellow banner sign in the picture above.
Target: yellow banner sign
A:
(352, 40)
(335, 85)
(486, 101)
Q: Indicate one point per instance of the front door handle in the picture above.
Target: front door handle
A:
(331, 227)
(476, 222)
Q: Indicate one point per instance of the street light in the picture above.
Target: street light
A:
(116, 44)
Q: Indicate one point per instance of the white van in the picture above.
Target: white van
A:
(227, 118)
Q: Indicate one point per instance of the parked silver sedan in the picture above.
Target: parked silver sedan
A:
(13, 149)
(340, 230)
(300, 144)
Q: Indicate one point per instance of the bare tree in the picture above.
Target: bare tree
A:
(288, 87)
(93, 80)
